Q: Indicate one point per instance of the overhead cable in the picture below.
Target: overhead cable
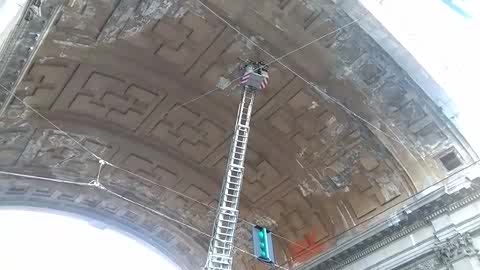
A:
(111, 192)
(277, 60)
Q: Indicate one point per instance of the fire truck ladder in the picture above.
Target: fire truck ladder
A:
(220, 254)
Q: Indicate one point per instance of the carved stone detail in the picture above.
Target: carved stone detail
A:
(431, 262)
(456, 248)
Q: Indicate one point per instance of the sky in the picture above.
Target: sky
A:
(444, 37)
(47, 241)
(8, 10)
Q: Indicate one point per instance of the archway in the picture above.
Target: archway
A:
(102, 210)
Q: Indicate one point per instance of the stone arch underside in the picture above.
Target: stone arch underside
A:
(114, 75)
(83, 201)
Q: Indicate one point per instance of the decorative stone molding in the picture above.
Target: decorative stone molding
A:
(107, 211)
(22, 43)
(455, 249)
(410, 221)
(429, 262)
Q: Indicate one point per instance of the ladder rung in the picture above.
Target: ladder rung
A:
(228, 220)
(235, 175)
(230, 202)
(237, 163)
(235, 172)
(232, 192)
(221, 252)
(224, 237)
(230, 226)
(224, 227)
(233, 201)
(231, 217)
(238, 158)
(228, 214)
(232, 198)
(239, 154)
(229, 223)
(235, 180)
(236, 166)
(221, 259)
(226, 209)
(222, 255)
(224, 247)
(225, 234)
(239, 148)
(224, 243)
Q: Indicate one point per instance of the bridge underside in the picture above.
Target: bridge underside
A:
(116, 76)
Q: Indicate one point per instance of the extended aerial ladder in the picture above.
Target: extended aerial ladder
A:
(220, 254)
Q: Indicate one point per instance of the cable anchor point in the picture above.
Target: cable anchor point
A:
(96, 182)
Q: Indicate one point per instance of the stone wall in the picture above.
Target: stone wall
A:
(442, 233)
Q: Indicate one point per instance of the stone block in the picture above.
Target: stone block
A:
(368, 161)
